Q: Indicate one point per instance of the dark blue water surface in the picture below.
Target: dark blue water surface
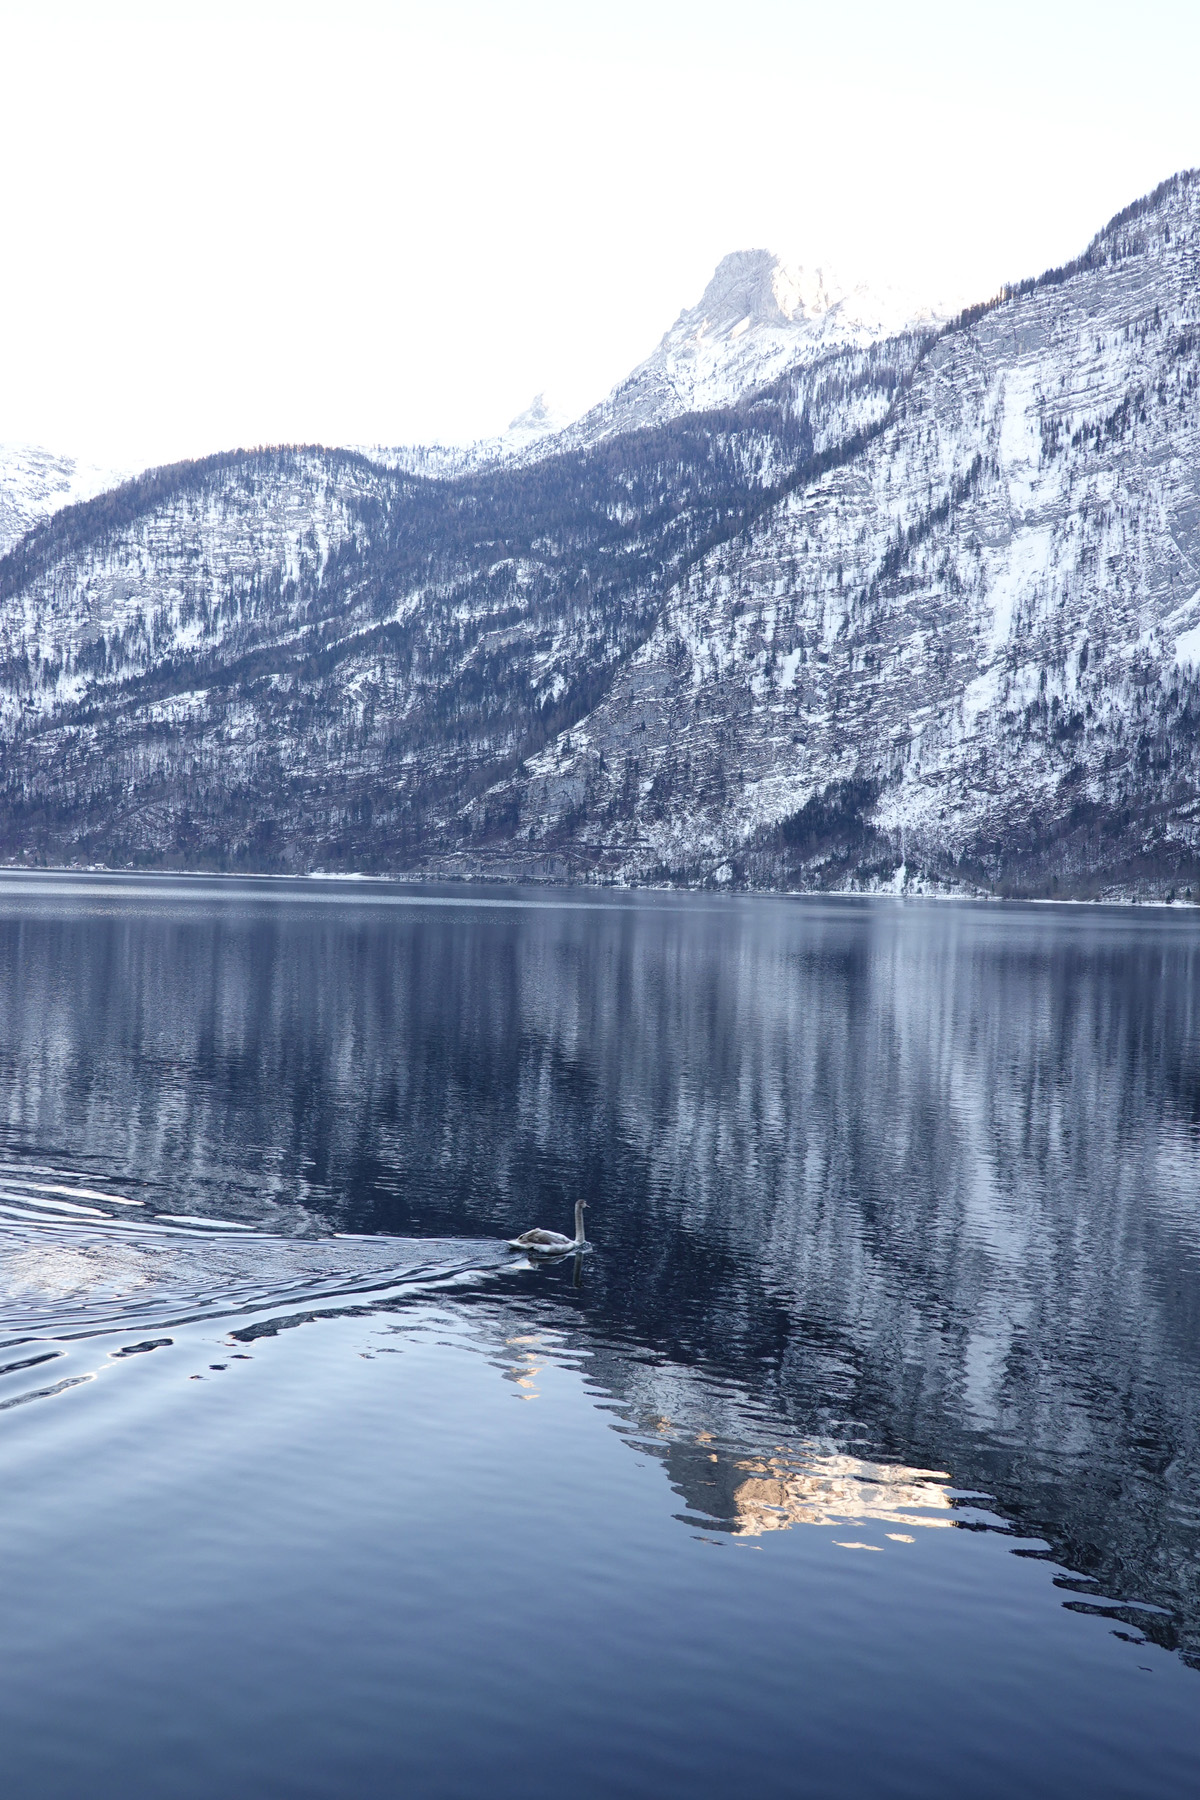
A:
(860, 1456)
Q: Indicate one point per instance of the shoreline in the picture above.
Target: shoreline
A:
(359, 879)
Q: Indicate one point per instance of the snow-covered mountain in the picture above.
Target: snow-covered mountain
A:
(758, 318)
(526, 436)
(913, 607)
(34, 483)
(538, 422)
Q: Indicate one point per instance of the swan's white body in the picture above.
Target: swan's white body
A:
(551, 1243)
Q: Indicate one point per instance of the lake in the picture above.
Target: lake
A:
(859, 1453)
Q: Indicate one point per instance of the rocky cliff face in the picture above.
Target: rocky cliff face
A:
(925, 608)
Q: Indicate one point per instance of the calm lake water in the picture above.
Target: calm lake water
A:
(860, 1456)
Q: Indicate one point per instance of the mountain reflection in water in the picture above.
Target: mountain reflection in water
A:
(833, 1489)
(911, 1183)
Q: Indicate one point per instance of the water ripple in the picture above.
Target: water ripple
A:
(71, 1268)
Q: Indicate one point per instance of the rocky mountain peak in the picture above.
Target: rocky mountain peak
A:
(538, 418)
(756, 287)
(759, 318)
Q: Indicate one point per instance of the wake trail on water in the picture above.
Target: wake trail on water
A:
(77, 1261)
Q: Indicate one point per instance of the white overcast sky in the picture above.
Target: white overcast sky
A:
(353, 222)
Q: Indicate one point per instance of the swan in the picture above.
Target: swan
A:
(551, 1243)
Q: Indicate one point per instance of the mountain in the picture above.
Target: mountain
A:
(534, 426)
(884, 611)
(299, 656)
(527, 436)
(758, 318)
(970, 649)
(34, 483)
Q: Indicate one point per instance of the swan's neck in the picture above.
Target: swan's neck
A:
(579, 1221)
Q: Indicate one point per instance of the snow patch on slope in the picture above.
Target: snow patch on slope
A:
(1187, 643)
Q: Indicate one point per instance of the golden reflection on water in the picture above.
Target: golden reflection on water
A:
(524, 1372)
(837, 1489)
